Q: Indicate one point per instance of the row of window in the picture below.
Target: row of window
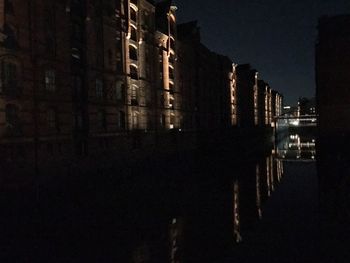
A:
(13, 123)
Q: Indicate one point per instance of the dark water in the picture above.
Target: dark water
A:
(214, 205)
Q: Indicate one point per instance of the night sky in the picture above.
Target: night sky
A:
(276, 36)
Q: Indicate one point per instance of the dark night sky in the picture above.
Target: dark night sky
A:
(276, 36)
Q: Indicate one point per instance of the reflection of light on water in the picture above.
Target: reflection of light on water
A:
(272, 174)
(279, 170)
(236, 219)
(268, 176)
(175, 233)
(258, 194)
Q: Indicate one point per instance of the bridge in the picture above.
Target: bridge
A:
(295, 121)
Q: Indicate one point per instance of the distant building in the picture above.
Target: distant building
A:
(307, 106)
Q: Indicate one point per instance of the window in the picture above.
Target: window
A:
(121, 119)
(52, 121)
(133, 15)
(99, 89)
(162, 121)
(172, 58)
(172, 121)
(110, 57)
(9, 78)
(101, 120)
(77, 86)
(132, 52)
(135, 120)
(10, 41)
(119, 89)
(133, 72)
(171, 88)
(50, 80)
(171, 73)
(9, 7)
(133, 34)
(171, 42)
(12, 120)
(171, 103)
(134, 95)
(50, 30)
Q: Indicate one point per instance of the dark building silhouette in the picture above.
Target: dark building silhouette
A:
(333, 97)
(207, 80)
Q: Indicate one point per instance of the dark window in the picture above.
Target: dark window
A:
(163, 121)
(50, 31)
(133, 72)
(9, 7)
(133, 15)
(99, 89)
(171, 88)
(171, 73)
(132, 52)
(121, 119)
(9, 79)
(119, 89)
(133, 34)
(52, 120)
(101, 120)
(77, 85)
(12, 120)
(50, 80)
(10, 41)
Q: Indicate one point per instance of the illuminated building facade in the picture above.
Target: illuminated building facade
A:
(168, 109)
(80, 76)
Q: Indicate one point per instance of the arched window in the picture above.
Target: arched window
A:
(133, 14)
(132, 52)
(133, 34)
(133, 72)
(171, 73)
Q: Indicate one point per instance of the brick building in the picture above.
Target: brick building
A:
(208, 82)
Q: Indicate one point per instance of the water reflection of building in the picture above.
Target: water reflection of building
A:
(297, 147)
(236, 214)
(258, 180)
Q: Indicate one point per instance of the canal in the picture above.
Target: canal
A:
(213, 205)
